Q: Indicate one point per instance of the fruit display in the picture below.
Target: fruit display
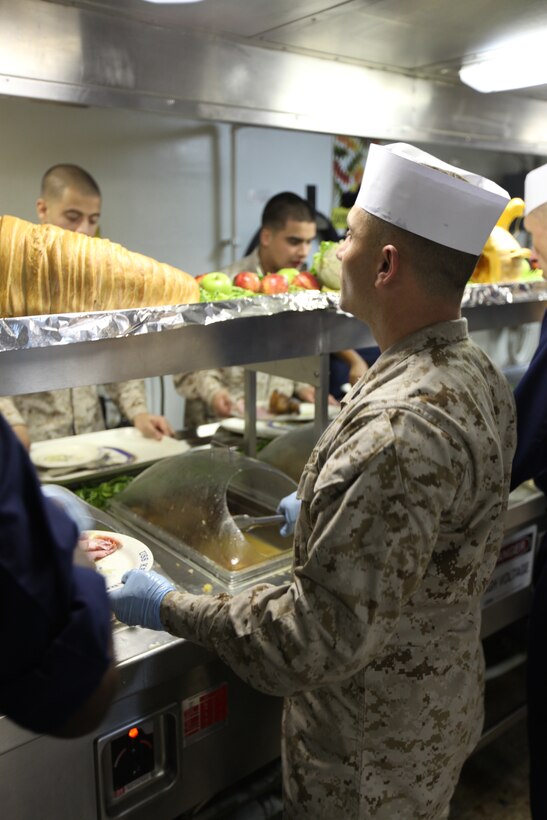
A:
(218, 286)
(275, 283)
(248, 280)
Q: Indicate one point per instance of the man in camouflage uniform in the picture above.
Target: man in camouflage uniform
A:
(211, 394)
(71, 411)
(375, 644)
(286, 234)
(70, 198)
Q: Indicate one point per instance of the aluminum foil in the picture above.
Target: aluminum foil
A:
(61, 329)
(67, 328)
(504, 293)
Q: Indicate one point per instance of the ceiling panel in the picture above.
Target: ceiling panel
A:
(426, 38)
(410, 34)
(403, 34)
(239, 18)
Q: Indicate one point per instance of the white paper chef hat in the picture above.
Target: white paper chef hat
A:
(535, 189)
(399, 187)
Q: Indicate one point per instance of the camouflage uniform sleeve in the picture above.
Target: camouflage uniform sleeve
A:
(10, 412)
(130, 397)
(368, 525)
(200, 385)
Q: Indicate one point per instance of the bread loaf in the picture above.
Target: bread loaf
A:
(45, 269)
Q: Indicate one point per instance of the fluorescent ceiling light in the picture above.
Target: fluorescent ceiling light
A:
(520, 63)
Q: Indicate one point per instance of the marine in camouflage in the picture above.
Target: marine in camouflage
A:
(375, 644)
(199, 388)
(67, 412)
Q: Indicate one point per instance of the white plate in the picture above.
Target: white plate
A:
(132, 554)
(264, 429)
(55, 455)
(273, 426)
(307, 412)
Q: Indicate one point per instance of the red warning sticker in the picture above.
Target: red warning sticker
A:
(204, 713)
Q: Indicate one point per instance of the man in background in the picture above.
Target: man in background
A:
(70, 199)
(287, 231)
(286, 234)
(530, 462)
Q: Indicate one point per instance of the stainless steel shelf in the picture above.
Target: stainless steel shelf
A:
(238, 340)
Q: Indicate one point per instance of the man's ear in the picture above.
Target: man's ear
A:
(41, 209)
(389, 266)
(265, 237)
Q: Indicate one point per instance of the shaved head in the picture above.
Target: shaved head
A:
(59, 177)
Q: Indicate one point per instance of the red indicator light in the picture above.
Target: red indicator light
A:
(133, 732)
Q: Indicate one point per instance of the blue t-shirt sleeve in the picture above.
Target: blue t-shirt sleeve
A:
(54, 617)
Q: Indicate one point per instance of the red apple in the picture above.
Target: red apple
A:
(274, 283)
(306, 280)
(248, 280)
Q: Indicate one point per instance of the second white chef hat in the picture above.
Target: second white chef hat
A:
(403, 185)
(535, 189)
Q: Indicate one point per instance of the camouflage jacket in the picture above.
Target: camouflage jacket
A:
(67, 412)
(204, 384)
(375, 644)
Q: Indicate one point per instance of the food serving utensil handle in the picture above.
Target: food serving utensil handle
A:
(249, 522)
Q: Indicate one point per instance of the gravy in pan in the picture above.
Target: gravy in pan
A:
(261, 547)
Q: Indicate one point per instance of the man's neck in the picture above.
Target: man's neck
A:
(411, 321)
(266, 264)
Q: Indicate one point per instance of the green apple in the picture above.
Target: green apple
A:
(289, 273)
(217, 281)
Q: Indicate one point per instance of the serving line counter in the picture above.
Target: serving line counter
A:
(182, 726)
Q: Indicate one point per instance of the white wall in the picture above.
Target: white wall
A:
(270, 161)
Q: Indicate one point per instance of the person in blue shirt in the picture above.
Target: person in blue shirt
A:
(530, 462)
(57, 675)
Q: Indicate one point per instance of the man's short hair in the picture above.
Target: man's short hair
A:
(282, 207)
(442, 271)
(59, 177)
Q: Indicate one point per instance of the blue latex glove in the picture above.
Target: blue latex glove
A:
(71, 504)
(290, 507)
(138, 602)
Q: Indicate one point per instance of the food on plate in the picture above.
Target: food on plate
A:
(281, 404)
(274, 283)
(248, 280)
(99, 545)
(46, 269)
(326, 266)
